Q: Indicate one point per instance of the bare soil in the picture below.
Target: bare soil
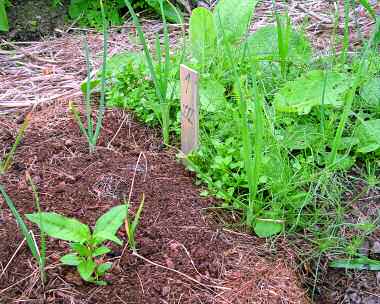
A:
(175, 229)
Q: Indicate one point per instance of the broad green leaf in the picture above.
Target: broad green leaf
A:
(86, 269)
(100, 283)
(301, 95)
(263, 44)
(362, 263)
(100, 251)
(370, 92)
(169, 11)
(103, 268)
(4, 26)
(232, 18)
(300, 136)
(71, 259)
(109, 223)
(104, 235)
(61, 227)
(80, 249)
(267, 227)
(211, 96)
(368, 133)
(93, 85)
(202, 34)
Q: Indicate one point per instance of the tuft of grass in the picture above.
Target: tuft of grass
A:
(161, 74)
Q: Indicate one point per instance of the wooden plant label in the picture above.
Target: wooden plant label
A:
(189, 109)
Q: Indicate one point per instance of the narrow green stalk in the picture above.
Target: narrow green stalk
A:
(102, 105)
(283, 33)
(346, 37)
(7, 162)
(88, 90)
(24, 229)
(147, 53)
(42, 255)
(322, 109)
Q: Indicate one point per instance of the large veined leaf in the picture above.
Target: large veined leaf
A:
(232, 18)
(211, 95)
(267, 228)
(301, 95)
(368, 133)
(3, 17)
(110, 222)
(61, 227)
(299, 136)
(370, 92)
(263, 44)
(202, 34)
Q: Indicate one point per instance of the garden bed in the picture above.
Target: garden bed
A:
(175, 230)
(181, 229)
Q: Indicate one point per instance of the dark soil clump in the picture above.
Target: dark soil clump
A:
(31, 20)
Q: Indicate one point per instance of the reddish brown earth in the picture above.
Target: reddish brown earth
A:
(175, 230)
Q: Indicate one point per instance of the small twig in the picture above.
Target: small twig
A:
(117, 132)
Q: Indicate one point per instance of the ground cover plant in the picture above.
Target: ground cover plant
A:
(281, 128)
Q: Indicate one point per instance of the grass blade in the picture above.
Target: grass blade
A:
(24, 229)
(6, 164)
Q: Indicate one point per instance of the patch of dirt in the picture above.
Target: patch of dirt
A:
(225, 267)
(31, 20)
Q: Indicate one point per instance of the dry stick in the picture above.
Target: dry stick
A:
(180, 273)
(117, 132)
(135, 172)
(13, 256)
(18, 282)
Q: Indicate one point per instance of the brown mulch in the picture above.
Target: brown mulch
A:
(175, 230)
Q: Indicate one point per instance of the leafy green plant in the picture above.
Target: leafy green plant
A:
(6, 163)
(85, 246)
(39, 255)
(91, 134)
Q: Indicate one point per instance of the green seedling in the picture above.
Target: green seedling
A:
(86, 246)
(131, 224)
(6, 163)
(91, 134)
